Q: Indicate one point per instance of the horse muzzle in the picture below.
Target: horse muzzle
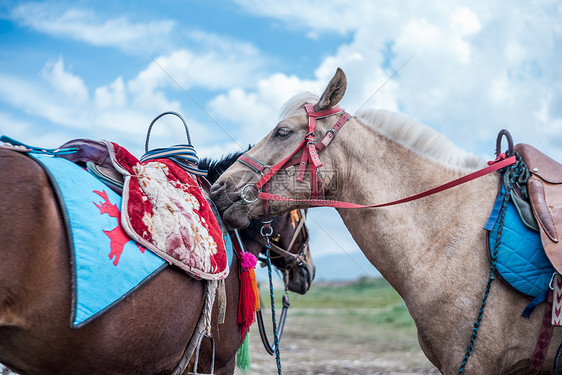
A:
(301, 279)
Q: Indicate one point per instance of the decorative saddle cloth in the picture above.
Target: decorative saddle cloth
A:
(107, 264)
(165, 210)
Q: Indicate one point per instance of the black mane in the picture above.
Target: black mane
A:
(217, 167)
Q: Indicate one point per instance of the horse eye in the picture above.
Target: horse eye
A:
(283, 132)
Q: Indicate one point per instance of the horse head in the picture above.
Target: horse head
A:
(289, 249)
(287, 161)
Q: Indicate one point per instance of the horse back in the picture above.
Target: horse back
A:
(144, 334)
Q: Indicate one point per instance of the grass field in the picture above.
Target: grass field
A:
(360, 327)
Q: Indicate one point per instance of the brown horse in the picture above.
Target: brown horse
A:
(146, 333)
(432, 250)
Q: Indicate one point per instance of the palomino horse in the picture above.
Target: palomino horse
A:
(146, 333)
(431, 250)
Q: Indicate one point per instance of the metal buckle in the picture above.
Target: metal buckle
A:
(245, 196)
(266, 225)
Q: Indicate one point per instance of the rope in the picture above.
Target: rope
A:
(273, 319)
(514, 172)
(38, 150)
(212, 286)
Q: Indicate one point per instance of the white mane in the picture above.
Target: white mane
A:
(419, 138)
(403, 130)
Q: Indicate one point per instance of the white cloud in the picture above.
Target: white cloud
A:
(215, 69)
(465, 21)
(113, 95)
(257, 109)
(63, 81)
(126, 107)
(87, 26)
(36, 99)
(319, 16)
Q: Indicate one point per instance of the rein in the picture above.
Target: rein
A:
(297, 260)
(516, 171)
(276, 336)
(270, 348)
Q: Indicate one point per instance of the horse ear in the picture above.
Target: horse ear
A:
(333, 93)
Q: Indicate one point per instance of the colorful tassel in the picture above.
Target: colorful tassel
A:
(243, 359)
(247, 261)
(247, 301)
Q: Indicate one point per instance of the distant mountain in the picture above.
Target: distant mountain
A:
(334, 267)
(339, 267)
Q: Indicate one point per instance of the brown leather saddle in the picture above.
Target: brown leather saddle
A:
(545, 195)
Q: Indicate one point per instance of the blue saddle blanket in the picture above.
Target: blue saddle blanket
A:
(521, 260)
(106, 264)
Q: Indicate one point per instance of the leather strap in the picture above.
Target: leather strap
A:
(267, 176)
(331, 134)
(321, 114)
(543, 341)
(252, 163)
(310, 156)
(339, 204)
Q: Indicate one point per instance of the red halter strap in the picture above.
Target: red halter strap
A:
(309, 157)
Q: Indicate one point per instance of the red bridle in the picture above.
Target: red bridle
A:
(309, 157)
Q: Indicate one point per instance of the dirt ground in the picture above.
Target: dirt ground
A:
(336, 342)
(324, 342)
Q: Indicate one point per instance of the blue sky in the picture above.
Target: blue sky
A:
(101, 70)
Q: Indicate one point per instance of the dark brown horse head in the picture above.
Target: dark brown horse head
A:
(289, 250)
(289, 240)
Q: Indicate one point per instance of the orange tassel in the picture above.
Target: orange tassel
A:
(255, 289)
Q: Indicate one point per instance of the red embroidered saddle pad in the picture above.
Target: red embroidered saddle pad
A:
(165, 210)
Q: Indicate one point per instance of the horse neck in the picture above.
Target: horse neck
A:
(413, 242)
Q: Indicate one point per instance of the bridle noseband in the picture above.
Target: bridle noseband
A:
(308, 158)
